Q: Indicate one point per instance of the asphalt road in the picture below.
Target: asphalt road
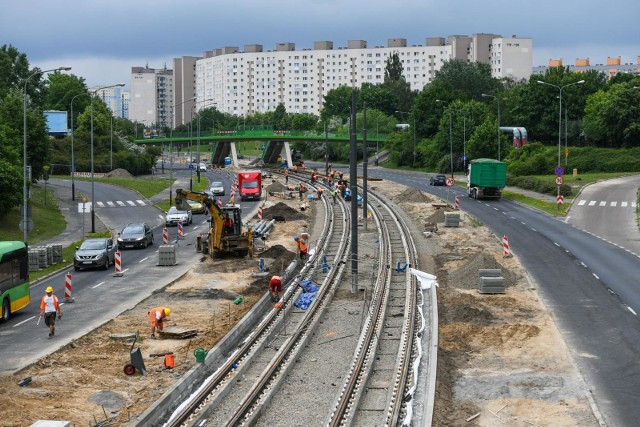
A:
(98, 295)
(590, 285)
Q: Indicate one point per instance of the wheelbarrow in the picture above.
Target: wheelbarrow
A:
(136, 360)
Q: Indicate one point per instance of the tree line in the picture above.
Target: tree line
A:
(454, 115)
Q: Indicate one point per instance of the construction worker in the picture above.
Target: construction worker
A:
(334, 194)
(286, 176)
(156, 317)
(49, 307)
(228, 225)
(303, 249)
(275, 287)
(301, 189)
(320, 190)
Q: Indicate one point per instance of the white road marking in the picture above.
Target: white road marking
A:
(633, 204)
(110, 204)
(596, 276)
(603, 204)
(583, 264)
(120, 202)
(141, 202)
(131, 203)
(631, 310)
(592, 202)
(160, 216)
(100, 204)
(582, 202)
(623, 204)
(24, 321)
(533, 229)
(614, 204)
(101, 283)
(143, 260)
(555, 243)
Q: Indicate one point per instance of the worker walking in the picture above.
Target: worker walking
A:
(303, 249)
(156, 317)
(286, 176)
(49, 307)
(301, 190)
(334, 194)
(275, 287)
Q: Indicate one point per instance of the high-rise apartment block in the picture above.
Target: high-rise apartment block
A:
(614, 66)
(254, 80)
(151, 96)
(116, 99)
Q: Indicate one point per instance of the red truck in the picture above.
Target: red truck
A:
(250, 185)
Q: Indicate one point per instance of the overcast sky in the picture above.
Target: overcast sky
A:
(102, 40)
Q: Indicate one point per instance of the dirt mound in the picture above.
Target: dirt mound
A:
(276, 187)
(119, 173)
(466, 276)
(282, 210)
(411, 195)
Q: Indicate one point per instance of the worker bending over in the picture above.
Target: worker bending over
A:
(156, 317)
(275, 287)
(303, 249)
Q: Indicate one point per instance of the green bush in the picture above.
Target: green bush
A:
(538, 185)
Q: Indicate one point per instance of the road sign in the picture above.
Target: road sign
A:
(559, 180)
(559, 171)
(450, 181)
(560, 200)
(84, 207)
(29, 225)
(191, 166)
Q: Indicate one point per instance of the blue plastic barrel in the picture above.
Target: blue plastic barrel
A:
(227, 161)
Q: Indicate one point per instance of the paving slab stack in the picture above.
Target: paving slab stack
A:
(490, 281)
(452, 219)
(167, 255)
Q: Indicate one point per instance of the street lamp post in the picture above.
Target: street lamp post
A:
(25, 217)
(111, 142)
(93, 190)
(497, 99)
(73, 163)
(413, 165)
(171, 148)
(560, 88)
(450, 133)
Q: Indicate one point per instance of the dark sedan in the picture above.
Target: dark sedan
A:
(99, 252)
(135, 235)
(438, 180)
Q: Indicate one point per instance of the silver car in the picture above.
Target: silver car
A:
(217, 188)
(92, 253)
(174, 216)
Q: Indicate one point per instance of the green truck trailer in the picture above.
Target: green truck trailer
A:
(487, 178)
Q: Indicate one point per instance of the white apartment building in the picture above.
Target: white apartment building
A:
(151, 95)
(253, 80)
(116, 99)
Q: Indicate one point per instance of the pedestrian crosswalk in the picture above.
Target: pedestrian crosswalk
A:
(605, 203)
(120, 203)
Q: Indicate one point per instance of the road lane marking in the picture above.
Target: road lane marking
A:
(623, 204)
(631, 310)
(614, 204)
(120, 203)
(582, 202)
(583, 264)
(603, 204)
(596, 276)
(24, 321)
(556, 243)
(101, 283)
(141, 202)
(143, 260)
(100, 204)
(111, 204)
(592, 203)
(131, 203)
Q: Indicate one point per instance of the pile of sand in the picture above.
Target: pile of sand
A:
(119, 173)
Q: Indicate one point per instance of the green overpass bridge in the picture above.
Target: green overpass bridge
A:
(223, 142)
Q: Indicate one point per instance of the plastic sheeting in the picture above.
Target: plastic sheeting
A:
(308, 295)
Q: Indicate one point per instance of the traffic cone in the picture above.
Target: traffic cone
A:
(505, 247)
(67, 289)
(118, 263)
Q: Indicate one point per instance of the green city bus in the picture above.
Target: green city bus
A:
(15, 291)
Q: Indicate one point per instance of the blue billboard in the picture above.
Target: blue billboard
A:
(57, 123)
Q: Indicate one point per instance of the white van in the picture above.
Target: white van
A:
(202, 167)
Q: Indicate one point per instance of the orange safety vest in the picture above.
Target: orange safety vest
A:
(153, 315)
(44, 303)
(302, 246)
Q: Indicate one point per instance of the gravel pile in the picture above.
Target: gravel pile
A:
(119, 173)
(466, 276)
(412, 195)
(284, 211)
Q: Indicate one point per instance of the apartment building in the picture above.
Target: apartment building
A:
(613, 66)
(116, 99)
(254, 80)
(151, 96)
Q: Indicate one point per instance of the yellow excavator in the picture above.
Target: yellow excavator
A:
(226, 235)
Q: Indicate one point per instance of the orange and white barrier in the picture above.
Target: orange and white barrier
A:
(457, 206)
(180, 231)
(67, 289)
(220, 202)
(505, 247)
(118, 263)
(165, 236)
(259, 212)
